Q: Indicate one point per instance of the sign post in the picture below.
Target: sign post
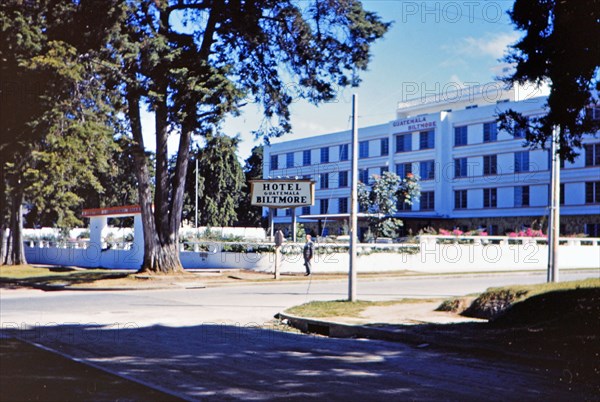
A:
(278, 244)
(284, 193)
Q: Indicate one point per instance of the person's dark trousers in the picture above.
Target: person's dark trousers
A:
(307, 266)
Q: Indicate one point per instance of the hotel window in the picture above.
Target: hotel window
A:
(427, 140)
(289, 160)
(490, 198)
(460, 167)
(562, 193)
(522, 161)
(363, 149)
(592, 229)
(402, 169)
(305, 210)
(325, 155)
(306, 157)
(324, 180)
(363, 175)
(562, 161)
(343, 205)
(344, 152)
(384, 169)
(460, 136)
(274, 162)
(522, 196)
(343, 179)
(324, 205)
(288, 212)
(401, 205)
(403, 143)
(385, 146)
(460, 199)
(593, 112)
(592, 192)
(519, 131)
(490, 165)
(592, 154)
(427, 201)
(490, 132)
(427, 170)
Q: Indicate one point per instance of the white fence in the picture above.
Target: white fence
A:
(430, 254)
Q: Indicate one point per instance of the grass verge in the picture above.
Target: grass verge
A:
(31, 276)
(343, 308)
(495, 301)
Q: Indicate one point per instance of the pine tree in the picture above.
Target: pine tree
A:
(192, 62)
(220, 182)
(560, 46)
(57, 119)
(249, 215)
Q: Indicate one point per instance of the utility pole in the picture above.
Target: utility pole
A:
(196, 210)
(554, 220)
(353, 203)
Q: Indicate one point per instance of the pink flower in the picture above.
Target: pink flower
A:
(483, 233)
(444, 232)
(512, 234)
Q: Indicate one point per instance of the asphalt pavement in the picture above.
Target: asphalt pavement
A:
(220, 344)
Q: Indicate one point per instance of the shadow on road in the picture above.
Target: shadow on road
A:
(229, 362)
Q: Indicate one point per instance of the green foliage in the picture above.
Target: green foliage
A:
(80, 63)
(381, 200)
(58, 120)
(248, 215)
(559, 48)
(220, 182)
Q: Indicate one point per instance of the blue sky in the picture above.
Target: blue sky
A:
(433, 46)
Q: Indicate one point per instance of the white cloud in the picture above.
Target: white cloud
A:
(494, 45)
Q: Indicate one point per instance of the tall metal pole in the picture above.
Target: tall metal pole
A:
(196, 218)
(353, 203)
(272, 223)
(294, 225)
(554, 221)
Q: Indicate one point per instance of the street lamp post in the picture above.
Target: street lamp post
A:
(554, 221)
(353, 203)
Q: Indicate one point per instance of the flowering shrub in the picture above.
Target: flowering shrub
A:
(458, 232)
(527, 233)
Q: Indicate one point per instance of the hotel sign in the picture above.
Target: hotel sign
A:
(413, 124)
(282, 193)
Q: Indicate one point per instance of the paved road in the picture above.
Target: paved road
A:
(166, 338)
(254, 303)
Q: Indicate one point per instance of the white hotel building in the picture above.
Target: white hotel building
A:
(472, 175)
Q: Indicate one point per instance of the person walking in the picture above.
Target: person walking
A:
(308, 252)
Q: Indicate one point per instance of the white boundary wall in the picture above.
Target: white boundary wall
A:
(433, 254)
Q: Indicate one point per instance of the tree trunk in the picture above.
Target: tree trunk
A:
(177, 195)
(3, 214)
(160, 257)
(16, 253)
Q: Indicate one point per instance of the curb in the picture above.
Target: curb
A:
(340, 330)
(405, 335)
